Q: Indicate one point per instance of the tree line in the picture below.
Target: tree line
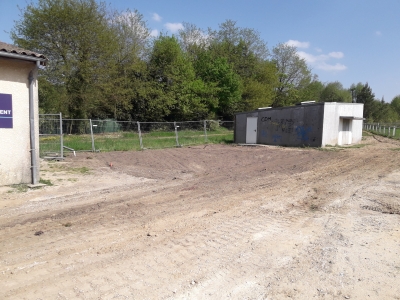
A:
(104, 63)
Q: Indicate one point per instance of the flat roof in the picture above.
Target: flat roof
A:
(306, 104)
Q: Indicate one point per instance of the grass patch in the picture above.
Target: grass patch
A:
(339, 148)
(19, 188)
(55, 167)
(68, 224)
(128, 141)
(45, 181)
(330, 148)
(82, 170)
(384, 134)
(356, 146)
(366, 133)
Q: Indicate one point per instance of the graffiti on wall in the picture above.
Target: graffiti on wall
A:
(264, 133)
(277, 138)
(303, 133)
(283, 125)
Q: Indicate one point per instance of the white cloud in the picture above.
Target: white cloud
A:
(321, 61)
(156, 17)
(318, 49)
(173, 27)
(154, 33)
(298, 44)
(327, 67)
(336, 54)
(378, 33)
(310, 58)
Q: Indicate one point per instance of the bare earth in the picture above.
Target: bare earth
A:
(208, 222)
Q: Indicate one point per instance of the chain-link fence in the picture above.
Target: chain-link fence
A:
(110, 135)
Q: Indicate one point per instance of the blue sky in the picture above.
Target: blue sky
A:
(349, 41)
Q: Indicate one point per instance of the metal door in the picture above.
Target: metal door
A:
(251, 130)
(345, 135)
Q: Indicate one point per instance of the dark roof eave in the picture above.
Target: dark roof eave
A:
(42, 60)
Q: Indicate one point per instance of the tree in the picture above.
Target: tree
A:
(355, 89)
(75, 36)
(231, 34)
(334, 92)
(224, 86)
(193, 39)
(367, 97)
(131, 49)
(259, 89)
(174, 73)
(293, 74)
(312, 91)
(383, 112)
(395, 104)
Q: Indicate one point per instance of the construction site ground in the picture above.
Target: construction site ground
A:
(207, 222)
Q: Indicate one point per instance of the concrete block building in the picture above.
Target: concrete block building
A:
(19, 119)
(309, 124)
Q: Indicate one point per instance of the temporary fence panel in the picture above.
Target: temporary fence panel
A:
(50, 136)
(78, 134)
(157, 135)
(109, 135)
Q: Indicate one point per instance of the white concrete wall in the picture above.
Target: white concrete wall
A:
(15, 156)
(332, 121)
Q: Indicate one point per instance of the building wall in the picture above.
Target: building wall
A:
(240, 126)
(15, 155)
(313, 125)
(291, 126)
(333, 123)
(286, 126)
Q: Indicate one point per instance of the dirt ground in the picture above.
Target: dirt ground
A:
(208, 222)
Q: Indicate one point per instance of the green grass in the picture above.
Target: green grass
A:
(330, 148)
(366, 133)
(339, 148)
(375, 132)
(356, 146)
(45, 181)
(19, 188)
(82, 170)
(127, 141)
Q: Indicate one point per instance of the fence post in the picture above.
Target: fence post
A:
(140, 135)
(205, 131)
(394, 131)
(176, 134)
(61, 138)
(91, 135)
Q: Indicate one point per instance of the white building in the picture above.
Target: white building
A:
(309, 124)
(19, 120)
